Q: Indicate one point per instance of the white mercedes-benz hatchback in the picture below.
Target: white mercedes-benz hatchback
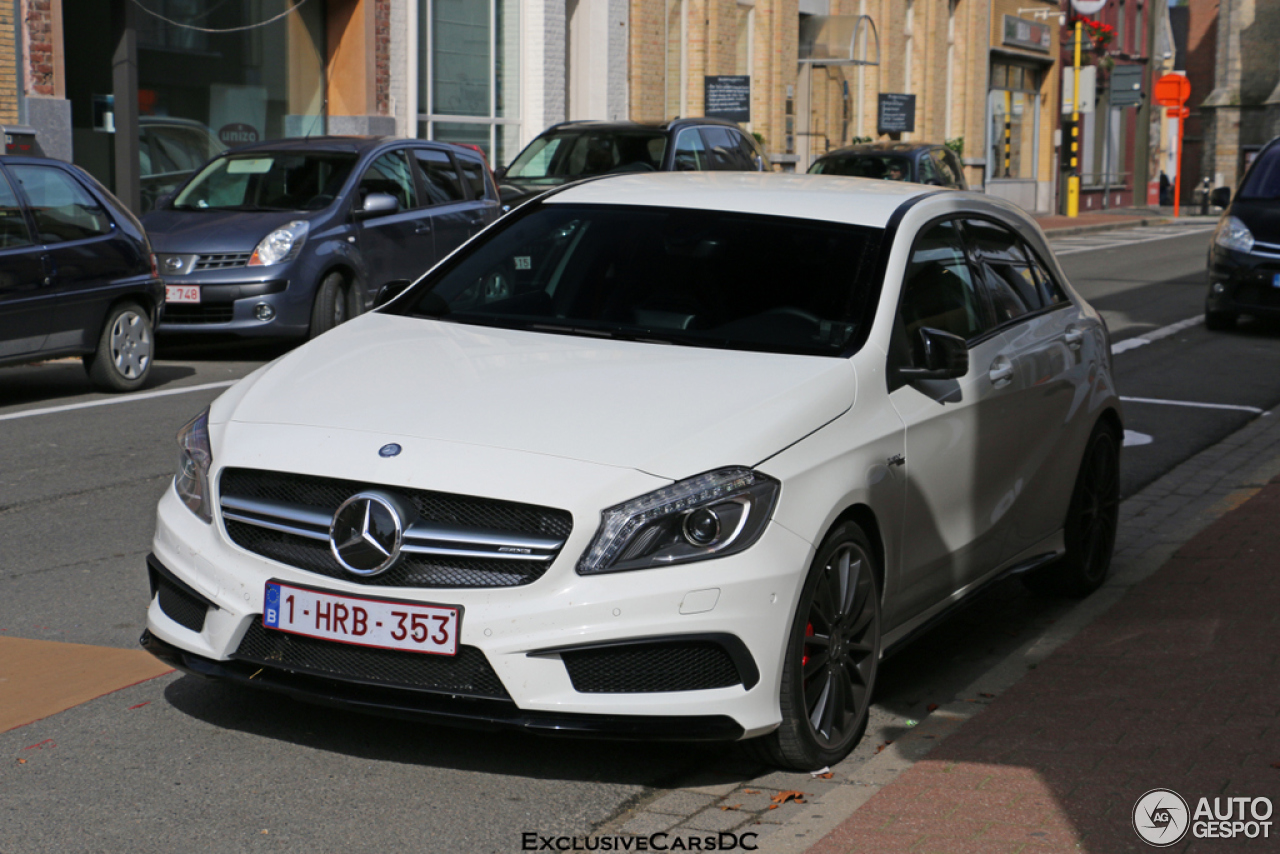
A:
(665, 455)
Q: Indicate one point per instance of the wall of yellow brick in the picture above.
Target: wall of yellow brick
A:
(8, 66)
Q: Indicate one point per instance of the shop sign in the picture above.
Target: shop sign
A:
(897, 113)
(238, 133)
(727, 96)
(1027, 34)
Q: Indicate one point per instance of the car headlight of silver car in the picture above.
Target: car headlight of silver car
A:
(1234, 234)
(194, 458)
(281, 245)
(711, 515)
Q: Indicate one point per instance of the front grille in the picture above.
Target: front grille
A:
(222, 261)
(651, 667)
(466, 674)
(461, 541)
(188, 315)
(180, 606)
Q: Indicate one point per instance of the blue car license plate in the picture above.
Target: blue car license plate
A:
(1275, 280)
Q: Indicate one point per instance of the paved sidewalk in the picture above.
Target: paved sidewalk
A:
(1177, 686)
(1089, 221)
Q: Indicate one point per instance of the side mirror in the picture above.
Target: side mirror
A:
(390, 291)
(164, 200)
(1221, 197)
(376, 204)
(939, 356)
(500, 173)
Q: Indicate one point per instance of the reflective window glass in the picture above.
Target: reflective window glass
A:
(691, 154)
(1006, 270)
(13, 224)
(939, 291)
(390, 174)
(62, 208)
(439, 176)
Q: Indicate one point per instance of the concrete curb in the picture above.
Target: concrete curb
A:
(1069, 230)
(1178, 514)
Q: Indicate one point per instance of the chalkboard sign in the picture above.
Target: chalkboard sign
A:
(728, 96)
(897, 113)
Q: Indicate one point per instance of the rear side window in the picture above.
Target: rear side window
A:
(723, 151)
(1006, 268)
(13, 225)
(473, 173)
(439, 176)
(62, 208)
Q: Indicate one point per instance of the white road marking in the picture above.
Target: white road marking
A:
(1076, 243)
(1255, 410)
(143, 395)
(1155, 334)
(1132, 438)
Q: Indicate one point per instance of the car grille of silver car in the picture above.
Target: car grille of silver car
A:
(222, 261)
(454, 541)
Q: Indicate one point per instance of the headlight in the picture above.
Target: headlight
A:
(282, 244)
(194, 458)
(712, 515)
(1233, 234)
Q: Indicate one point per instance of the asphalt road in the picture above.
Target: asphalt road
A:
(176, 763)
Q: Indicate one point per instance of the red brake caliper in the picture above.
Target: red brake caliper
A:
(808, 632)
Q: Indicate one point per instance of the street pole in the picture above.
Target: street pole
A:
(1073, 180)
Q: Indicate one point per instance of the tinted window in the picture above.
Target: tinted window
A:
(390, 174)
(701, 278)
(890, 167)
(175, 149)
(1263, 180)
(929, 173)
(723, 151)
(1006, 269)
(473, 173)
(13, 224)
(268, 180)
(691, 154)
(439, 176)
(939, 291)
(748, 152)
(945, 169)
(61, 207)
(575, 153)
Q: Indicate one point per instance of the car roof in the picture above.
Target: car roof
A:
(882, 148)
(833, 198)
(672, 124)
(356, 144)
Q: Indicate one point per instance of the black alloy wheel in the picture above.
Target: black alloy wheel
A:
(832, 656)
(1092, 520)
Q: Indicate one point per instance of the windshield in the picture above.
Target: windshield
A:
(1263, 180)
(268, 181)
(693, 277)
(890, 167)
(566, 155)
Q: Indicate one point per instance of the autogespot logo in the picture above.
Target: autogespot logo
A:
(1161, 818)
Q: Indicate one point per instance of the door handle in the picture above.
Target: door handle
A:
(422, 228)
(1074, 337)
(1001, 372)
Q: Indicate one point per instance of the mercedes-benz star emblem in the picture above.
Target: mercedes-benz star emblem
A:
(366, 533)
(390, 450)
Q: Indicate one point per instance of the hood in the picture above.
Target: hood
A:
(1261, 216)
(665, 410)
(174, 232)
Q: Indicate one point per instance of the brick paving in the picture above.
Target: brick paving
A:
(1177, 686)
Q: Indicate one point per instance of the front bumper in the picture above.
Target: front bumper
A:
(229, 301)
(1241, 283)
(743, 603)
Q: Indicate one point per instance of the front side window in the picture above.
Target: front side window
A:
(61, 207)
(390, 174)
(13, 223)
(723, 150)
(1006, 270)
(697, 278)
(270, 181)
(691, 154)
(939, 290)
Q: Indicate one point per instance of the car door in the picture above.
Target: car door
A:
(1047, 335)
(27, 302)
(961, 434)
(87, 259)
(723, 152)
(453, 214)
(398, 244)
(482, 205)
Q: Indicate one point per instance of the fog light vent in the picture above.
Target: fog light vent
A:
(263, 312)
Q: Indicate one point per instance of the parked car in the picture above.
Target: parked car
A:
(77, 277)
(656, 456)
(571, 151)
(1244, 254)
(169, 150)
(291, 238)
(919, 162)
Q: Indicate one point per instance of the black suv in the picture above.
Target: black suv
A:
(573, 150)
(1244, 255)
(918, 162)
(77, 277)
(287, 239)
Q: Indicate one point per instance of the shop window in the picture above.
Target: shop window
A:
(1015, 120)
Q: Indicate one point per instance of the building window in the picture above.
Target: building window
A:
(1015, 119)
(469, 74)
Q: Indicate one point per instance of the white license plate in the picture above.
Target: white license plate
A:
(382, 623)
(182, 293)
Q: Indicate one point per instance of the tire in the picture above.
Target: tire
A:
(126, 348)
(1092, 519)
(840, 600)
(1219, 321)
(332, 306)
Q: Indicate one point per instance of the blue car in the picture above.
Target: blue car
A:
(288, 239)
